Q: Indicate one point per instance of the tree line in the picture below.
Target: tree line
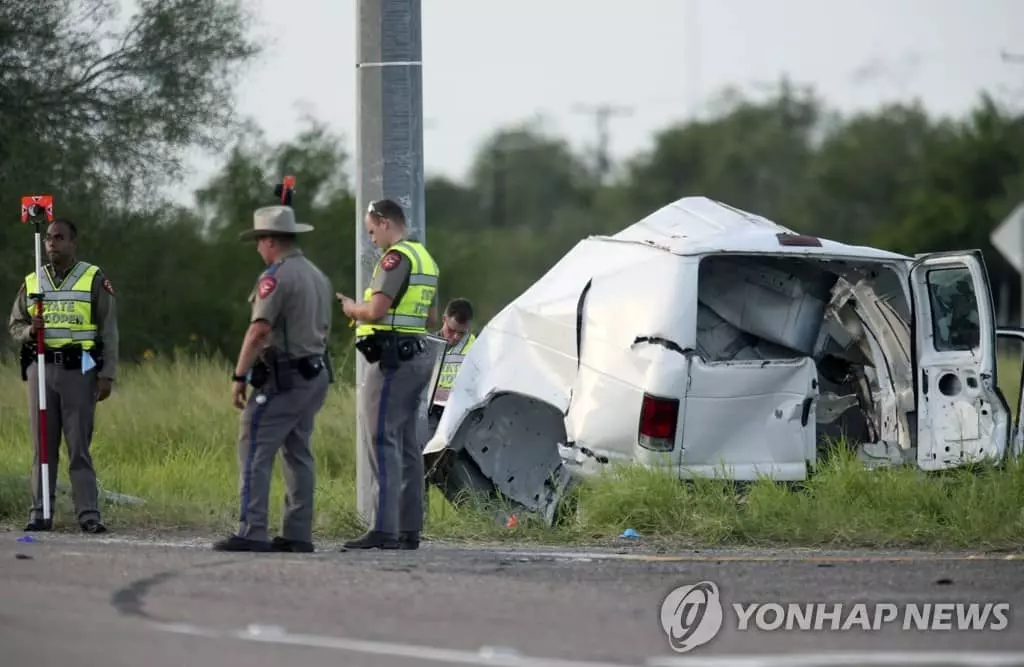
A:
(100, 116)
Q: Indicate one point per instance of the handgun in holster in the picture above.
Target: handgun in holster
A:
(26, 357)
(389, 358)
(370, 349)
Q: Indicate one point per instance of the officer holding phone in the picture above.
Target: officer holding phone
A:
(396, 310)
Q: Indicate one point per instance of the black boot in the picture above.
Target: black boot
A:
(372, 540)
(293, 546)
(39, 524)
(409, 540)
(93, 526)
(236, 543)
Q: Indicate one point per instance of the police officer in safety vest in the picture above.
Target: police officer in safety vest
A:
(455, 328)
(80, 335)
(393, 316)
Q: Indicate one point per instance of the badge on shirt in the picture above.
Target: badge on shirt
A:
(107, 286)
(266, 286)
(391, 260)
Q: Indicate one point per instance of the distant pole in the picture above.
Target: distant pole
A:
(389, 150)
(603, 113)
(691, 57)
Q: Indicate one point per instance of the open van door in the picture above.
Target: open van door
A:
(1017, 438)
(962, 417)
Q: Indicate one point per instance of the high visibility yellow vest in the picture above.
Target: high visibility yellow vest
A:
(408, 314)
(453, 359)
(67, 308)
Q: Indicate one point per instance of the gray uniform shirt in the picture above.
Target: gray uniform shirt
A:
(104, 309)
(295, 298)
(394, 271)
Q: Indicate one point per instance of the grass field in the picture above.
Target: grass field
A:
(168, 432)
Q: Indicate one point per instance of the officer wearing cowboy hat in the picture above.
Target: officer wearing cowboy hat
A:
(283, 357)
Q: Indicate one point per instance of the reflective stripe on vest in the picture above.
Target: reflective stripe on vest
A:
(453, 359)
(67, 308)
(410, 314)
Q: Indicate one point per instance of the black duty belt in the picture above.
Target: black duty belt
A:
(68, 358)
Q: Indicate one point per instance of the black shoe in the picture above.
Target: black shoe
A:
(39, 524)
(236, 543)
(373, 540)
(409, 540)
(293, 546)
(93, 526)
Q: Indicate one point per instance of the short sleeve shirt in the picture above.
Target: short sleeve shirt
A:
(392, 275)
(295, 298)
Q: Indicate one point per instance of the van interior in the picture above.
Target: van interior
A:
(851, 317)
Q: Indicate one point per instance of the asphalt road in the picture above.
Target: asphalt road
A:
(86, 600)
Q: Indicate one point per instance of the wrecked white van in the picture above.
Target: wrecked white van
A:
(712, 341)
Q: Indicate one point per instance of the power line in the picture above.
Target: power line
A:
(603, 113)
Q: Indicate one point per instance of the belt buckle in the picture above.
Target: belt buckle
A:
(58, 358)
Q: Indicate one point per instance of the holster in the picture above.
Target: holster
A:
(369, 349)
(260, 374)
(389, 358)
(27, 356)
(389, 349)
(279, 370)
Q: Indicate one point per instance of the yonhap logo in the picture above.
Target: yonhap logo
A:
(691, 616)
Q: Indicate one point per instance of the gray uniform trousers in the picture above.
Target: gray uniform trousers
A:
(389, 406)
(70, 408)
(284, 421)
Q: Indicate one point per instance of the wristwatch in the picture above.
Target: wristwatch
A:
(239, 378)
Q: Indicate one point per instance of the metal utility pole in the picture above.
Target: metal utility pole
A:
(602, 113)
(389, 152)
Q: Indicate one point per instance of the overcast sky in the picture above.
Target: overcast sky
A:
(488, 63)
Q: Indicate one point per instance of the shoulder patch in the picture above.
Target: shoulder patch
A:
(391, 260)
(267, 286)
(107, 286)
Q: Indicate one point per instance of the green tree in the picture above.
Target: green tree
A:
(754, 156)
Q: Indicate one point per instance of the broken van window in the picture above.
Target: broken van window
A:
(955, 324)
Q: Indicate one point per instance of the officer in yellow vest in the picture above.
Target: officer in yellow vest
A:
(396, 309)
(80, 332)
(455, 328)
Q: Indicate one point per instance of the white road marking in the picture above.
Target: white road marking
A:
(946, 659)
(486, 656)
(509, 657)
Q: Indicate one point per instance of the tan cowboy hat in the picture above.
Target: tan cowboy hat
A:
(274, 220)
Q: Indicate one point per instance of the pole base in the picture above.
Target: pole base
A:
(44, 476)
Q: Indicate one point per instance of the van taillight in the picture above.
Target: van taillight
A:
(658, 419)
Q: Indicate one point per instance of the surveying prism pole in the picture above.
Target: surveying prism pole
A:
(389, 154)
(285, 189)
(34, 207)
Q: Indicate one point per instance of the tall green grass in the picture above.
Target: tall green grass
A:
(168, 435)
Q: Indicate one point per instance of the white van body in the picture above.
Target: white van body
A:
(714, 342)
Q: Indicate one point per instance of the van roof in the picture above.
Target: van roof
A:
(700, 225)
